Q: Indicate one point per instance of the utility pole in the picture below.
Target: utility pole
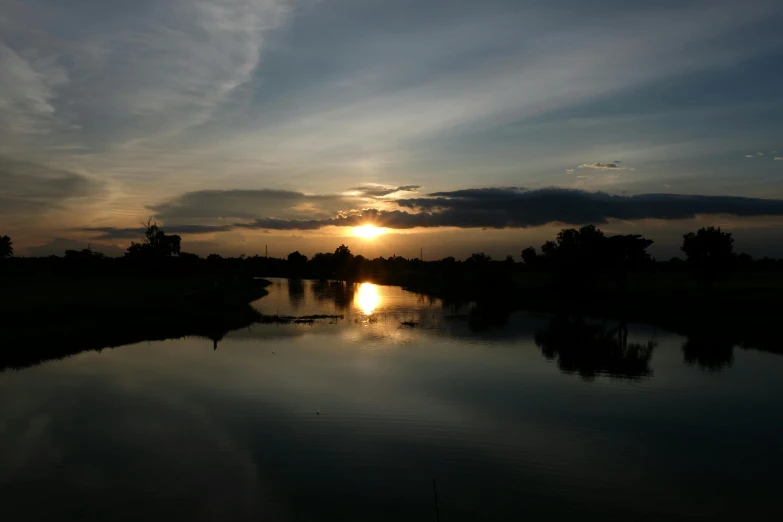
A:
(421, 254)
(266, 249)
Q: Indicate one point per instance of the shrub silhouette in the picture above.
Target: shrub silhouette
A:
(6, 247)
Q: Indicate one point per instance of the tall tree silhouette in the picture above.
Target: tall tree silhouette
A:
(709, 252)
(624, 253)
(6, 247)
(156, 243)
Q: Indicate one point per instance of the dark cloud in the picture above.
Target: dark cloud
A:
(29, 188)
(248, 204)
(519, 208)
(106, 233)
(377, 191)
(499, 208)
(602, 166)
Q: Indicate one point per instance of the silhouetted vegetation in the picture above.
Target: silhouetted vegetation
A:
(590, 350)
(156, 244)
(710, 253)
(581, 271)
(6, 247)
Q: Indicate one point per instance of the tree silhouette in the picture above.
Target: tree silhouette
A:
(590, 350)
(479, 258)
(709, 252)
(624, 253)
(296, 257)
(6, 247)
(156, 244)
(577, 255)
(530, 256)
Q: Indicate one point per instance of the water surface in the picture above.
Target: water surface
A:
(350, 418)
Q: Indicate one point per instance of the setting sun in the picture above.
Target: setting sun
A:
(368, 231)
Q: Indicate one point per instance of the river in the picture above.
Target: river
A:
(352, 417)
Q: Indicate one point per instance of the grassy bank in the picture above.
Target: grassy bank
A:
(46, 318)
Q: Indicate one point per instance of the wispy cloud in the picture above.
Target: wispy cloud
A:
(206, 205)
(379, 191)
(113, 233)
(601, 166)
(29, 190)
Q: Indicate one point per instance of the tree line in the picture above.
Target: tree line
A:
(575, 255)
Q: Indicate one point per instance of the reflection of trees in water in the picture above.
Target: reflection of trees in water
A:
(591, 350)
(454, 306)
(339, 292)
(708, 352)
(484, 317)
(296, 293)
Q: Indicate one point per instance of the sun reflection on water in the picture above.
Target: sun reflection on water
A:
(367, 298)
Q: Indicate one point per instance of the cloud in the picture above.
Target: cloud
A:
(520, 208)
(109, 233)
(249, 204)
(602, 166)
(31, 189)
(759, 154)
(778, 158)
(749, 156)
(132, 73)
(569, 171)
(27, 92)
(378, 191)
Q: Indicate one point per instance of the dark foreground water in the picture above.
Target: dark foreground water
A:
(352, 418)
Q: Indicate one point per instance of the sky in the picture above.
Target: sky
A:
(456, 126)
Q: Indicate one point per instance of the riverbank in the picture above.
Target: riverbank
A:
(740, 310)
(46, 318)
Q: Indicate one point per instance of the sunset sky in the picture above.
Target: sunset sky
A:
(457, 126)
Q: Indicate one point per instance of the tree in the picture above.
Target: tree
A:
(624, 253)
(343, 262)
(709, 252)
(479, 258)
(296, 263)
(529, 256)
(156, 243)
(576, 253)
(297, 258)
(509, 259)
(580, 255)
(6, 247)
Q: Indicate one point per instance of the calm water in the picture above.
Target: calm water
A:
(352, 418)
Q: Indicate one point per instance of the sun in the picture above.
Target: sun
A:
(368, 231)
(367, 298)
